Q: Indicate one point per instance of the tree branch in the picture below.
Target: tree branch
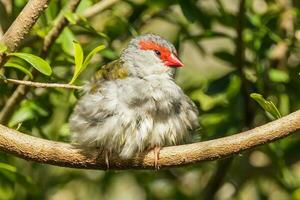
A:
(43, 85)
(10, 104)
(67, 155)
(98, 7)
(22, 90)
(22, 25)
(240, 64)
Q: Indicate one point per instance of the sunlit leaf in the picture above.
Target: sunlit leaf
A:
(28, 110)
(91, 54)
(268, 106)
(66, 39)
(233, 87)
(276, 75)
(38, 63)
(78, 57)
(4, 166)
(21, 115)
(111, 55)
(208, 102)
(71, 17)
(213, 119)
(19, 67)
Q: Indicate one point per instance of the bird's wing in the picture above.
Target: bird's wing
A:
(111, 71)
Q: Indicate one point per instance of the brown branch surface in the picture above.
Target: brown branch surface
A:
(67, 155)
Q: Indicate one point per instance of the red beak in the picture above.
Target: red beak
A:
(173, 61)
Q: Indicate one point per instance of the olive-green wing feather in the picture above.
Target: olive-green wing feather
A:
(111, 71)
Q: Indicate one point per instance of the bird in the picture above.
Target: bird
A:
(133, 103)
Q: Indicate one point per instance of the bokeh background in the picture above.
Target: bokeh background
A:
(230, 48)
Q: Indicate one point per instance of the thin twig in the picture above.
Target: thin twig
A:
(43, 85)
(98, 7)
(11, 103)
(67, 155)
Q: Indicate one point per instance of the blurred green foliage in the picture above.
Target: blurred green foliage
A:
(217, 75)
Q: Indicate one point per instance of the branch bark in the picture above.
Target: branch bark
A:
(67, 155)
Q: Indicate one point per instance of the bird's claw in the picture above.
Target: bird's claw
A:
(106, 157)
(156, 151)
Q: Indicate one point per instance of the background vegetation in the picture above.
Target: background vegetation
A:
(230, 49)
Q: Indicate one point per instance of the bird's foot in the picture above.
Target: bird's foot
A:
(156, 151)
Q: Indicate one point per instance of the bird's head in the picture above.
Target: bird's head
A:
(150, 54)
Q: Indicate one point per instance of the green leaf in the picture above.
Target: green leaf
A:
(111, 55)
(21, 115)
(66, 39)
(278, 76)
(3, 48)
(233, 87)
(38, 63)
(11, 173)
(78, 56)
(28, 111)
(19, 67)
(268, 106)
(91, 54)
(84, 23)
(7, 167)
(71, 17)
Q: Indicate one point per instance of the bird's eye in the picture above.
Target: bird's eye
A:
(157, 52)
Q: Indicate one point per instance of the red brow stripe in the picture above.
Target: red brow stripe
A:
(149, 45)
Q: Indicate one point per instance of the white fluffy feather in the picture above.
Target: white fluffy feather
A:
(144, 110)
